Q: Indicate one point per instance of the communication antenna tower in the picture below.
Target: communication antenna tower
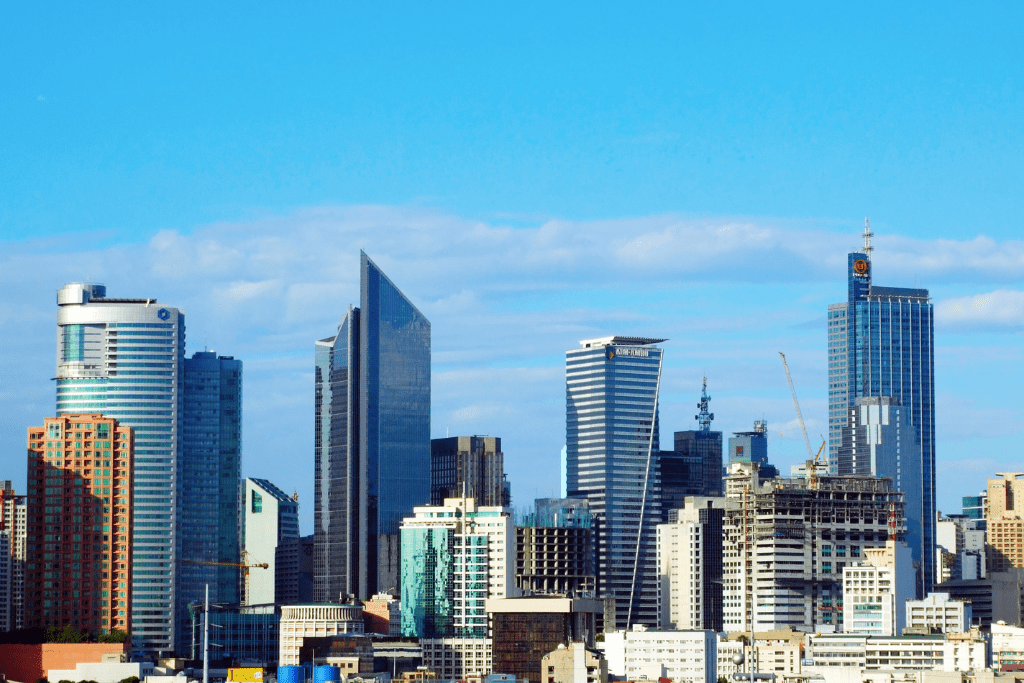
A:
(867, 236)
(704, 418)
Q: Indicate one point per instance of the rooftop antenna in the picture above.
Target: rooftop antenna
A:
(705, 417)
(867, 236)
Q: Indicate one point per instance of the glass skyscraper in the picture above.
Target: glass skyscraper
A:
(372, 438)
(611, 435)
(211, 476)
(124, 358)
(880, 343)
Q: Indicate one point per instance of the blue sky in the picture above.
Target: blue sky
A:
(529, 175)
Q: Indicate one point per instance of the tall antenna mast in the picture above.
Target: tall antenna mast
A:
(705, 417)
(867, 236)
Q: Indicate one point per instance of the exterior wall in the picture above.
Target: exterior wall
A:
(573, 664)
(124, 358)
(271, 520)
(106, 672)
(938, 611)
(525, 629)
(554, 560)
(1007, 647)
(211, 472)
(467, 466)
(805, 535)
(683, 656)
(305, 621)
(1005, 522)
(457, 657)
(13, 520)
(80, 473)
(611, 426)
(705, 446)
(880, 343)
(875, 590)
(880, 441)
(455, 556)
(29, 663)
(383, 615)
(681, 575)
(254, 637)
(910, 653)
(372, 438)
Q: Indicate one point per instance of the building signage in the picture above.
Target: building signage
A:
(639, 353)
(860, 268)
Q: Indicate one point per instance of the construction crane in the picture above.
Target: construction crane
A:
(796, 403)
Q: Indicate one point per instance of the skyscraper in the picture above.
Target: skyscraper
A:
(211, 483)
(612, 443)
(880, 441)
(124, 358)
(467, 466)
(372, 438)
(79, 534)
(880, 343)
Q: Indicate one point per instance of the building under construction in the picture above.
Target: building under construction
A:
(805, 531)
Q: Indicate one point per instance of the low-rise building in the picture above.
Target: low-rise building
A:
(941, 652)
(938, 613)
(307, 621)
(525, 629)
(1007, 647)
(683, 656)
(875, 589)
(382, 614)
(574, 664)
(457, 657)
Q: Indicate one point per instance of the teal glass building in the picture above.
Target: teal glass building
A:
(611, 437)
(371, 440)
(211, 474)
(881, 343)
(124, 358)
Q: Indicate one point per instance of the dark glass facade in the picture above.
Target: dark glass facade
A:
(469, 466)
(212, 480)
(372, 441)
(881, 344)
(611, 423)
(338, 497)
(394, 426)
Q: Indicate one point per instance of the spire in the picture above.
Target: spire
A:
(705, 417)
(867, 236)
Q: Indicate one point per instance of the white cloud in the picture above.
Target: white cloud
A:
(1001, 309)
(505, 304)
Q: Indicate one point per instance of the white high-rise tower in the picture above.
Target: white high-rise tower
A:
(124, 358)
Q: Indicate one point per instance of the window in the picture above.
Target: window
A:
(257, 502)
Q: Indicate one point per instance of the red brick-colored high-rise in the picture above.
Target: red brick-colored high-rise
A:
(79, 523)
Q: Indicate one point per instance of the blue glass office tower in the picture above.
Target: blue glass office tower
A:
(211, 475)
(124, 358)
(611, 431)
(880, 343)
(372, 438)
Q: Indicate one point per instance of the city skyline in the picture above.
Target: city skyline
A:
(264, 321)
(530, 183)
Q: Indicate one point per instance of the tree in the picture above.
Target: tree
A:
(115, 635)
(67, 634)
(130, 679)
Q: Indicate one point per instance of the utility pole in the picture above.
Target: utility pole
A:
(206, 639)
